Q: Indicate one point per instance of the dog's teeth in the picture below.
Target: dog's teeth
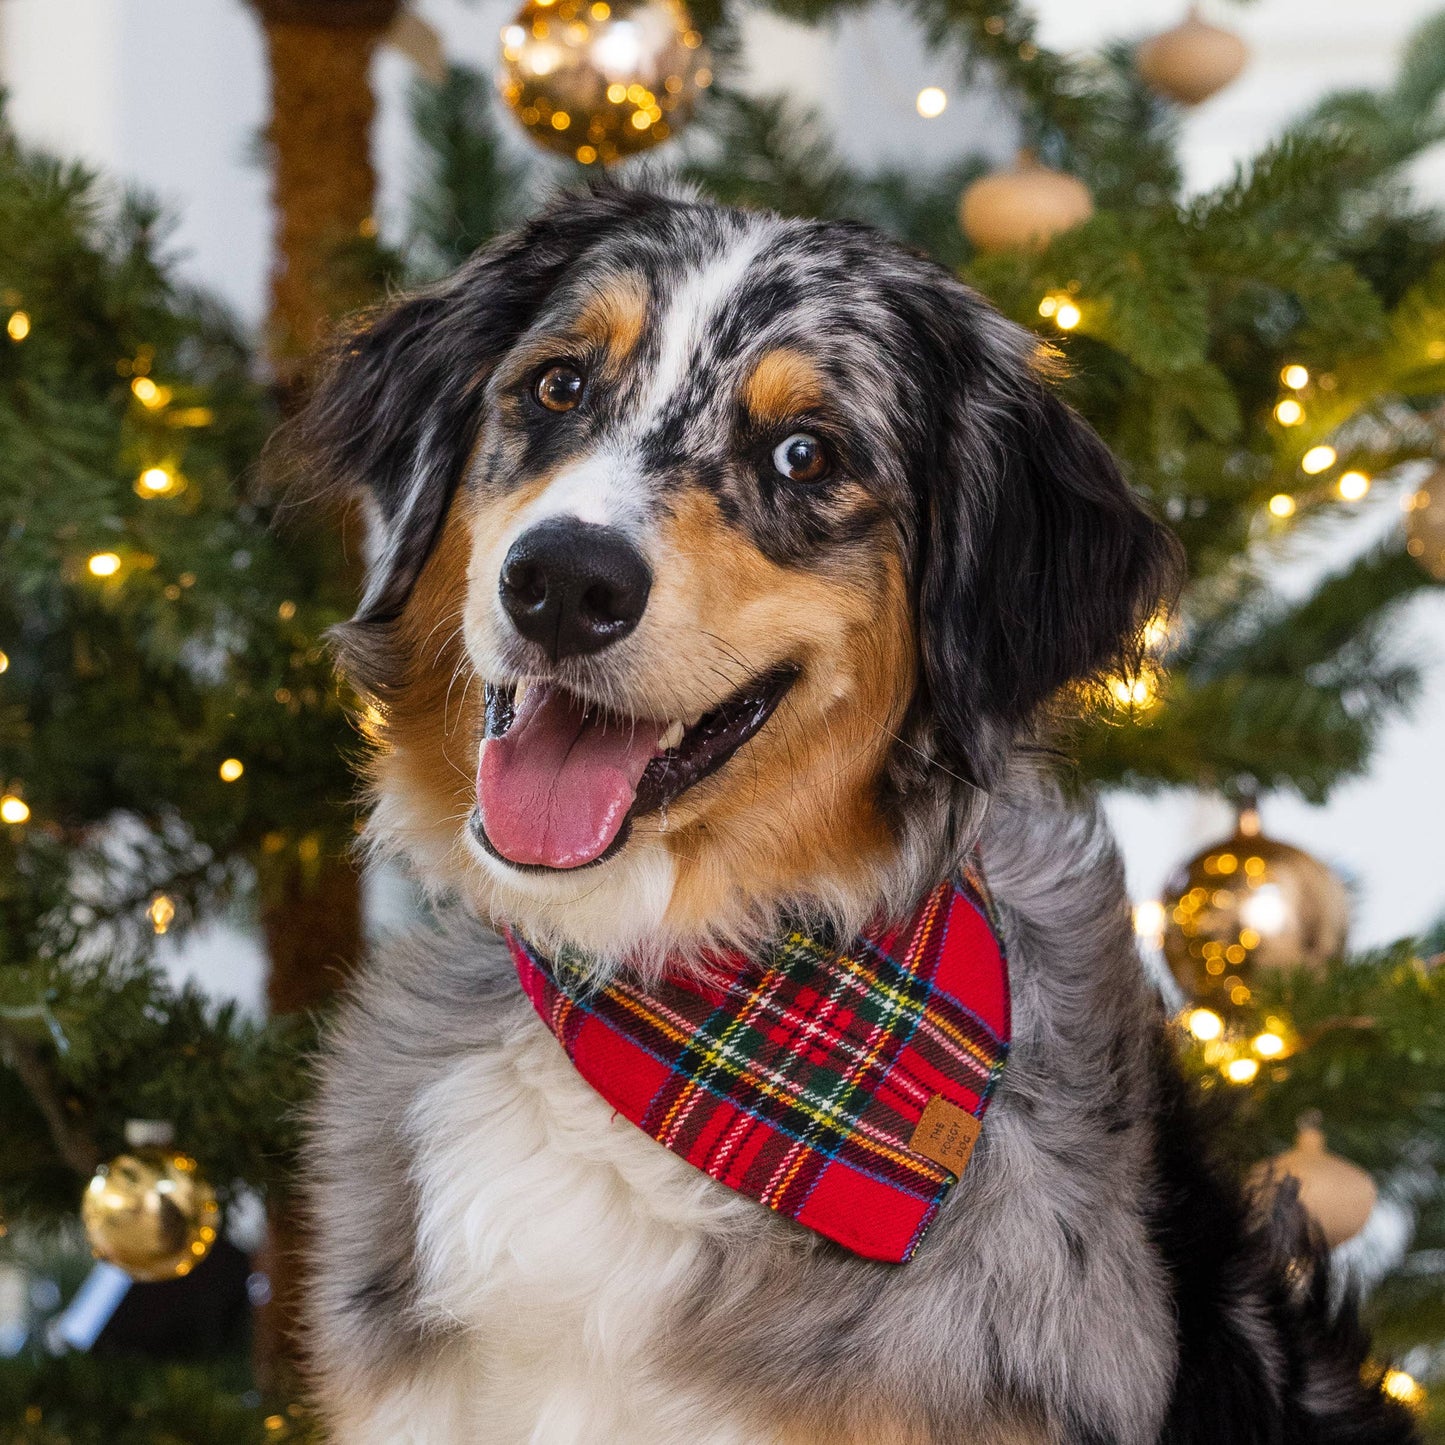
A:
(519, 692)
(671, 738)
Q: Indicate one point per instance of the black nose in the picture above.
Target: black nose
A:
(572, 587)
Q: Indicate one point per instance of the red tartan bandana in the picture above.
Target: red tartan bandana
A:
(841, 1088)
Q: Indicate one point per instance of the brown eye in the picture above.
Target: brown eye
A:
(801, 458)
(559, 388)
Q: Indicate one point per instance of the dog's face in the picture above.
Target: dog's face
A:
(714, 553)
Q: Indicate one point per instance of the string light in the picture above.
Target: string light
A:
(157, 482)
(931, 102)
(1353, 486)
(1295, 377)
(1156, 631)
(4, 662)
(1064, 313)
(1268, 1045)
(231, 769)
(1149, 921)
(1204, 1024)
(1404, 1388)
(149, 394)
(162, 913)
(104, 564)
(1282, 505)
(1289, 412)
(18, 326)
(1317, 459)
(1241, 1071)
(13, 809)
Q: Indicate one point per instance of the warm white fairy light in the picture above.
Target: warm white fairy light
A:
(1241, 1071)
(1353, 486)
(162, 913)
(17, 328)
(1204, 1024)
(1295, 377)
(1402, 1387)
(1282, 505)
(13, 809)
(103, 564)
(932, 102)
(1149, 920)
(1289, 412)
(1317, 459)
(231, 769)
(1067, 316)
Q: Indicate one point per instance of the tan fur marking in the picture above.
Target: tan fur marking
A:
(797, 803)
(427, 731)
(613, 316)
(784, 383)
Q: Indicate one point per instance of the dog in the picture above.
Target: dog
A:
(725, 575)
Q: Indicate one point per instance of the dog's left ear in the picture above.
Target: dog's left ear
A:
(1040, 566)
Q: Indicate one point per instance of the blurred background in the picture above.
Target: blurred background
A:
(1231, 219)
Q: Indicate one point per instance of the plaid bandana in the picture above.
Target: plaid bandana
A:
(843, 1088)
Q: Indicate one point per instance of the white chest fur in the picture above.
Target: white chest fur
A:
(553, 1232)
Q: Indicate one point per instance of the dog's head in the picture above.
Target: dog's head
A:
(716, 561)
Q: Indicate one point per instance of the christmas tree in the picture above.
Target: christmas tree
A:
(1263, 358)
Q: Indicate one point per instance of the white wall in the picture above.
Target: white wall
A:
(171, 94)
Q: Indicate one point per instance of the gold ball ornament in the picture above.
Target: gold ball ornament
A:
(1023, 208)
(1250, 903)
(1192, 61)
(150, 1212)
(1425, 525)
(601, 80)
(1337, 1195)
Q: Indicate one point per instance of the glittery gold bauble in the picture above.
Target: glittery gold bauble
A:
(1022, 208)
(1246, 904)
(151, 1213)
(1425, 525)
(1192, 61)
(1337, 1195)
(597, 81)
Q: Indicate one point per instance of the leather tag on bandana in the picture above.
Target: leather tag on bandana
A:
(946, 1134)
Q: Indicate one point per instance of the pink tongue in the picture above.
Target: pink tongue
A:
(555, 788)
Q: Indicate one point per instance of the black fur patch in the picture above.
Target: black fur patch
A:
(1263, 1358)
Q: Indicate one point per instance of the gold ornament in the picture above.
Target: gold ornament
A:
(1245, 904)
(1192, 61)
(1022, 208)
(1425, 525)
(1337, 1195)
(149, 1211)
(597, 81)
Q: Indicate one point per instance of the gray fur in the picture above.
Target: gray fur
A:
(1037, 1284)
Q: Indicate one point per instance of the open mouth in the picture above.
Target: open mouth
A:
(560, 779)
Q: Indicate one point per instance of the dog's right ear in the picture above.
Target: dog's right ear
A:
(397, 408)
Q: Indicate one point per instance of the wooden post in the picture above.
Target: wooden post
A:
(319, 140)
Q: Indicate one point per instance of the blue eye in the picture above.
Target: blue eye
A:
(800, 458)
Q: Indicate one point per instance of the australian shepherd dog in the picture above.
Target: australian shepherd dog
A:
(724, 573)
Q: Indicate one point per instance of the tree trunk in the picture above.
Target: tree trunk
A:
(319, 139)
